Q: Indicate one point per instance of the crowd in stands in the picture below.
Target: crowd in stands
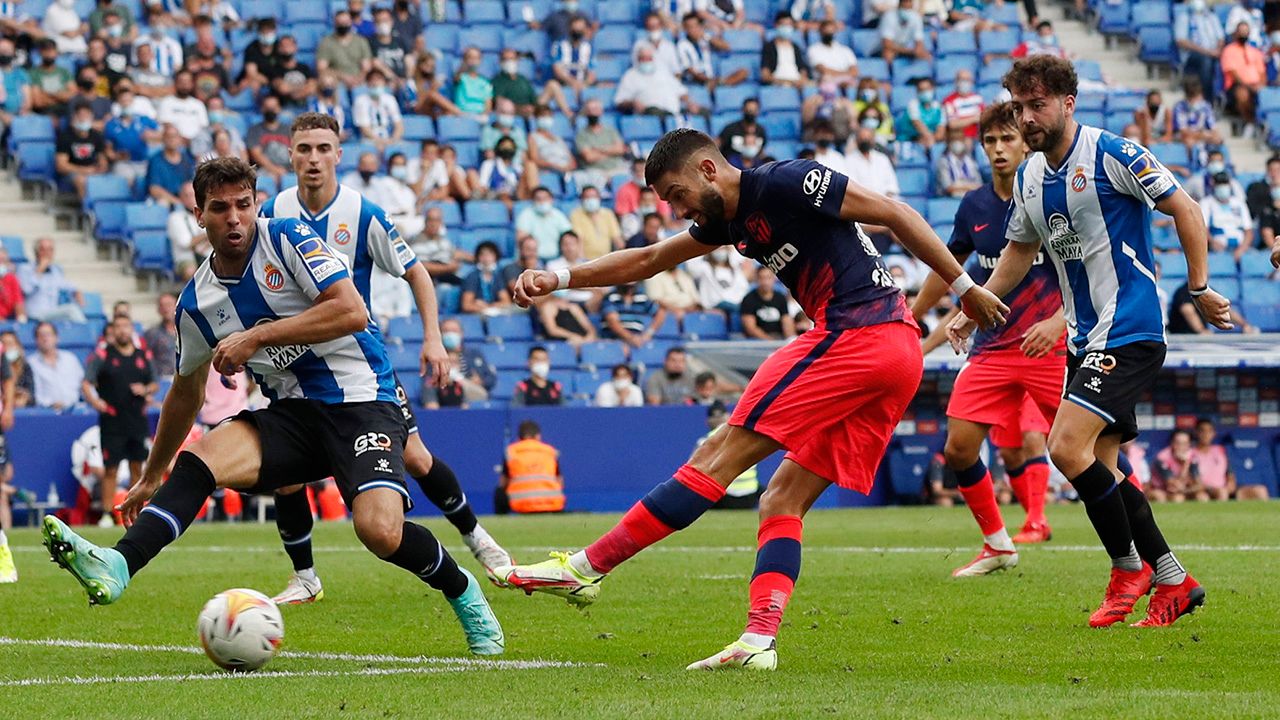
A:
(504, 136)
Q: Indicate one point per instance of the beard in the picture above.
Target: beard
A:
(1042, 139)
(712, 206)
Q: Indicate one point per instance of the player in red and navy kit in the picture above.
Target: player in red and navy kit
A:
(831, 398)
(1009, 390)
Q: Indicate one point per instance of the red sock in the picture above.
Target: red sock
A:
(1037, 475)
(981, 499)
(777, 568)
(671, 506)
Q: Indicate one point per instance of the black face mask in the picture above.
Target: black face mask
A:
(865, 147)
(577, 36)
(6, 60)
(342, 29)
(285, 57)
(827, 39)
(270, 115)
(1242, 40)
(506, 153)
(48, 61)
(85, 84)
(328, 91)
(1153, 108)
(823, 144)
(593, 119)
(367, 175)
(749, 117)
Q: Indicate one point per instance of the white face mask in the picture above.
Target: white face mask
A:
(540, 369)
(1222, 192)
(721, 255)
(511, 67)
(11, 354)
(383, 28)
(621, 383)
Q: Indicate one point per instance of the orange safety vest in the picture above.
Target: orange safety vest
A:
(533, 483)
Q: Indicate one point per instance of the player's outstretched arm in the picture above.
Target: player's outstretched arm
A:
(616, 268)
(932, 291)
(863, 205)
(337, 311)
(1188, 219)
(177, 415)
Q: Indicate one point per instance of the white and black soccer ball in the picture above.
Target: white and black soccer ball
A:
(240, 629)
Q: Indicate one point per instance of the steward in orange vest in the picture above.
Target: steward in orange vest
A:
(531, 473)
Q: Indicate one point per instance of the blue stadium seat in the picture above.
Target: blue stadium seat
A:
(1253, 462)
(449, 298)
(1095, 118)
(1091, 101)
(640, 127)
(77, 333)
(750, 63)
(1269, 100)
(945, 69)
(305, 11)
(613, 40)
(506, 385)
(308, 37)
(1256, 264)
(418, 128)
(1006, 14)
(514, 327)
(743, 41)
(404, 359)
(999, 42)
(941, 210)
(1113, 18)
(1156, 45)
(1222, 265)
(407, 329)
(453, 129)
(782, 125)
(451, 211)
(487, 213)
(697, 122)
(1259, 291)
(151, 251)
(1153, 13)
(994, 70)
(288, 181)
(1265, 316)
(101, 188)
(865, 43)
(874, 68)
(914, 181)
(472, 326)
(507, 356)
(442, 37)
(1089, 70)
(776, 97)
(14, 246)
(252, 9)
(610, 69)
(670, 328)
(905, 70)
(142, 217)
(109, 220)
(705, 326)
(562, 355)
(35, 162)
(731, 97)
(1171, 154)
(652, 354)
(1125, 102)
(484, 11)
(618, 13)
(30, 129)
(956, 42)
(603, 354)
(485, 37)
(93, 306)
(586, 382)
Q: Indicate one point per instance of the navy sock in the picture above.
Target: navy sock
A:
(294, 521)
(441, 487)
(421, 554)
(170, 513)
(971, 475)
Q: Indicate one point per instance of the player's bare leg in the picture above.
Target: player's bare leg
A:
(791, 492)
(671, 506)
(1028, 470)
(964, 442)
(107, 486)
(440, 485)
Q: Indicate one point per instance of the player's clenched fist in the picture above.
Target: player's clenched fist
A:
(1216, 309)
(233, 351)
(534, 284)
(984, 307)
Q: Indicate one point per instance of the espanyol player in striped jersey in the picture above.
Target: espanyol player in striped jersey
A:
(358, 229)
(1085, 197)
(273, 298)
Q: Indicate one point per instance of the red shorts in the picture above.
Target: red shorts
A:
(833, 398)
(1010, 392)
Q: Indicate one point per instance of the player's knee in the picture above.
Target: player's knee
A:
(1012, 457)
(1069, 456)
(379, 533)
(959, 455)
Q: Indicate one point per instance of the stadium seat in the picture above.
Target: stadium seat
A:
(613, 40)
(731, 97)
(109, 220)
(874, 68)
(418, 128)
(77, 333)
(640, 127)
(1256, 264)
(586, 382)
(484, 11)
(603, 354)
(14, 246)
(781, 125)
(507, 356)
(151, 251)
(999, 42)
(750, 63)
(618, 13)
(254, 9)
(743, 41)
(956, 42)
(1091, 101)
(302, 11)
(1171, 154)
(407, 329)
(908, 468)
(669, 330)
(1175, 269)
(651, 354)
(1006, 14)
(451, 211)
(510, 327)
(487, 213)
(30, 129)
(1156, 45)
(442, 37)
(452, 129)
(92, 307)
(777, 97)
(865, 43)
(105, 187)
(1265, 316)
(1089, 70)
(485, 37)
(1252, 460)
(994, 71)
(562, 355)
(940, 210)
(1152, 13)
(1113, 18)
(35, 162)
(143, 217)
(705, 326)
(1222, 265)
(914, 181)
(506, 386)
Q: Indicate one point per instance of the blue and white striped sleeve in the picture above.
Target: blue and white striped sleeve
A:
(1133, 170)
(386, 247)
(1020, 228)
(192, 346)
(312, 264)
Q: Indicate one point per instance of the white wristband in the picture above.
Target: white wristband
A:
(562, 278)
(962, 284)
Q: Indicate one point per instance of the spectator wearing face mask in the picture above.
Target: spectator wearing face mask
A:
(595, 225)
(957, 171)
(620, 391)
(259, 56)
(902, 33)
(600, 148)
(482, 290)
(1244, 73)
(1199, 35)
(376, 114)
(731, 137)
(183, 110)
(1201, 186)
(268, 141)
(81, 151)
(505, 124)
(63, 25)
(649, 87)
(674, 290)
(544, 222)
(1227, 218)
(661, 50)
(828, 108)
(825, 150)
(868, 166)
(870, 95)
(472, 92)
(221, 120)
(571, 58)
(502, 177)
(12, 304)
(832, 61)
(51, 84)
(129, 136)
(963, 106)
(511, 84)
(1193, 120)
(292, 80)
(764, 311)
(634, 222)
(547, 150)
(922, 122)
(345, 53)
(782, 59)
(720, 280)
(538, 388)
(326, 102)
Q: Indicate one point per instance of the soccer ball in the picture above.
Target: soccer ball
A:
(240, 629)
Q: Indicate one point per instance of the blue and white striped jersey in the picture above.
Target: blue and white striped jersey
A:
(353, 226)
(1093, 215)
(288, 268)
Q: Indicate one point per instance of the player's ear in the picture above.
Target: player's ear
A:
(708, 168)
(199, 212)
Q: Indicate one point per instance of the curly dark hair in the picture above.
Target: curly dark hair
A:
(1054, 74)
(995, 116)
(218, 172)
(673, 150)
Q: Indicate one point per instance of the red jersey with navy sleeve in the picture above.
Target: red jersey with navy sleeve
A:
(979, 230)
(788, 218)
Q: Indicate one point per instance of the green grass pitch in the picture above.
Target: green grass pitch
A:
(877, 628)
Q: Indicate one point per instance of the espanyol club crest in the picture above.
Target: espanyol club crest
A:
(342, 235)
(273, 277)
(1079, 182)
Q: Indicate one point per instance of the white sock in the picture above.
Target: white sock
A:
(1169, 571)
(999, 540)
(757, 640)
(581, 565)
(308, 574)
(1133, 563)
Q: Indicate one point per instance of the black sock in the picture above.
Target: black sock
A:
(1106, 509)
(441, 487)
(170, 513)
(294, 521)
(1147, 537)
(421, 554)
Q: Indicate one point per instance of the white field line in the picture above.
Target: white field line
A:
(850, 549)
(421, 660)
(114, 679)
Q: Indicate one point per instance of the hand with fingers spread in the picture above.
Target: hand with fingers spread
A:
(138, 496)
